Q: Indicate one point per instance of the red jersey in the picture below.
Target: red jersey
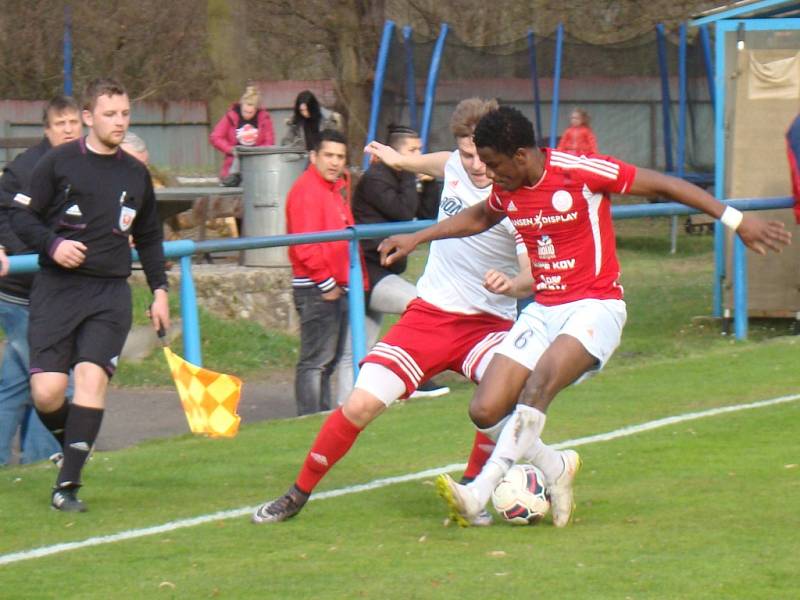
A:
(578, 140)
(565, 222)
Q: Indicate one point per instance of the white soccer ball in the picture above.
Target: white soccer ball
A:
(520, 498)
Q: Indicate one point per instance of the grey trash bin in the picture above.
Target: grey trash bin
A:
(268, 173)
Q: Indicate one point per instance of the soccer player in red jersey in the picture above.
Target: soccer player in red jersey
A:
(465, 305)
(560, 205)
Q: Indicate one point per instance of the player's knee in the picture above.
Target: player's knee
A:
(47, 397)
(361, 408)
(484, 413)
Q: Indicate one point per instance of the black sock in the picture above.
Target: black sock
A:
(80, 434)
(56, 421)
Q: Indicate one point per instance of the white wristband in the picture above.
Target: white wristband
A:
(731, 217)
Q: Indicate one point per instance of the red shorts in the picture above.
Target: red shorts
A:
(428, 340)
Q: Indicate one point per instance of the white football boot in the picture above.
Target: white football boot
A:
(464, 507)
(562, 501)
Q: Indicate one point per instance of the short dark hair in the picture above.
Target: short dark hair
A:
(330, 135)
(504, 130)
(398, 133)
(105, 86)
(57, 105)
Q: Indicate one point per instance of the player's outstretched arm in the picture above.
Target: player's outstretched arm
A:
(468, 222)
(426, 164)
(756, 233)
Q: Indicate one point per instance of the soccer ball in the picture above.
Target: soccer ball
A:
(520, 497)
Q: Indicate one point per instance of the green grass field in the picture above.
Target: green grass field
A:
(701, 509)
(704, 508)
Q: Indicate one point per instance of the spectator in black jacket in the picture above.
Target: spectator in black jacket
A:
(86, 198)
(385, 195)
(62, 123)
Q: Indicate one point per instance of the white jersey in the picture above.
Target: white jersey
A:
(454, 273)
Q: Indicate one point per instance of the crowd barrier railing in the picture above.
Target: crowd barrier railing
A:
(185, 249)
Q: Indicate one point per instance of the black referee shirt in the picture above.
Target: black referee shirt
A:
(97, 199)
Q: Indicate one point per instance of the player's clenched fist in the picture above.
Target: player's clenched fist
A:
(497, 282)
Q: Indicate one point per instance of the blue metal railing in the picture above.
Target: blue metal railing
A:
(184, 249)
(556, 85)
(377, 87)
(430, 86)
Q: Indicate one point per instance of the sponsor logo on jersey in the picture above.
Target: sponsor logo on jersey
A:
(545, 248)
(74, 211)
(558, 265)
(451, 206)
(541, 220)
(126, 217)
(563, 265)
(562, 201)
(550, 282)
(22, 199)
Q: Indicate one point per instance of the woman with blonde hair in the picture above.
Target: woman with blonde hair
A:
(245, 124)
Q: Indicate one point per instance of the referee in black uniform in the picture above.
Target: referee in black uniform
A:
(86, 198)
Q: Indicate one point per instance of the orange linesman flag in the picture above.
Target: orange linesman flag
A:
(209, 399)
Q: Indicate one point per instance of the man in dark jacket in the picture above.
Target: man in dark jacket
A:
(62, 124)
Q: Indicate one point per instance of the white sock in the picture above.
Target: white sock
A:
(520, 433)
(547, 459)
(493, 432)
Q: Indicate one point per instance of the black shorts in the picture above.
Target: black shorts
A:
(77, 318)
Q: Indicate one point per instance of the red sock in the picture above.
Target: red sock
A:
(332, 443)
(481, 451)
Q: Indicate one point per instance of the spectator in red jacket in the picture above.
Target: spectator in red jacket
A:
(245, 124)
(318, 201)
(578, 138)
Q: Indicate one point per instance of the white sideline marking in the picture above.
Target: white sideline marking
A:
(131, 534)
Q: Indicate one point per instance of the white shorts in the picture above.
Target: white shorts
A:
(596, 324)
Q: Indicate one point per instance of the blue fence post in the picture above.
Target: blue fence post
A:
(739, 288)
(430, 87)
(556, 85)
(411, 82)
(719, 172)
(356, 305)
(665, 96)
(68, 51)
(705, 41)
(681, 166)
(377, 86)
(537, 104)
(189, 314)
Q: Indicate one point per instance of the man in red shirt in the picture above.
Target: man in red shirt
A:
(560, 205)
(318, 202)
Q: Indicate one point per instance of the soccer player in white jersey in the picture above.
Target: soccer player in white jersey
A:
(560, 205)
(466, 305)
